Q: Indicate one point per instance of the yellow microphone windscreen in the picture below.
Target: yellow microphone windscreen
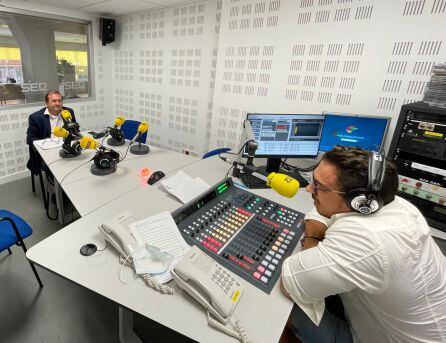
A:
(66, 115)
(143, 127)
(88, 143)
(119, 120)
(283, 184)
(60, 132)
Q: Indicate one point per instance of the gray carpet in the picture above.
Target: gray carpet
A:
(61, 311)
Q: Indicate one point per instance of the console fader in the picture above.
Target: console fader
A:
(247, 234)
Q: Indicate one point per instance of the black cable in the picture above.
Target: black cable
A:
(47, 203)
(60, 159)
(125, 153)
(74, 170)
(229, 170)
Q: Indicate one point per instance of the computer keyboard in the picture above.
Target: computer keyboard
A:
(254, 182)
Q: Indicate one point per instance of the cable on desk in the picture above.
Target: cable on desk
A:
(75, 169)
(146, 277)
(238, 332)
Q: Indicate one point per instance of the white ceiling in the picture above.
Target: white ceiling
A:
(109, 7)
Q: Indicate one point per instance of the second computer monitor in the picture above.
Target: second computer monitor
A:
(286, 135)
(367, 132)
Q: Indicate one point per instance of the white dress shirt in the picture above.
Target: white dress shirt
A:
(387, 269)
(54, 121)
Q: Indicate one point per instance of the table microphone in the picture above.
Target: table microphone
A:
(71, 146)
(281, 183)
(140, 149)
(66, 115)
(117, 136)
(89, 143)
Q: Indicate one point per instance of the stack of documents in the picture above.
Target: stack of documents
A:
(184, 187)
(161, 231)
(435, 94)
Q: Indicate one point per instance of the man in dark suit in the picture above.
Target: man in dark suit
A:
(41, 125)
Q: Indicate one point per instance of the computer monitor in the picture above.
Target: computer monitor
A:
(367, 132)
(285, 135)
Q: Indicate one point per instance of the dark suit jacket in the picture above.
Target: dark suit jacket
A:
(39, 128)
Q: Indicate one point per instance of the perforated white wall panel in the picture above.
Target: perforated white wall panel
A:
(164, 73)
(309, 56)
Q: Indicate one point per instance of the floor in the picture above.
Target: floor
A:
(61, 311)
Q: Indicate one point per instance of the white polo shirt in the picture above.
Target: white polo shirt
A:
(54, 121)
(387, 269)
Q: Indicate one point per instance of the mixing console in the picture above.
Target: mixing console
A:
(247, 234)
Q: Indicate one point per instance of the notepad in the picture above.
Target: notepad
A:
(184, 187)
(161, 231)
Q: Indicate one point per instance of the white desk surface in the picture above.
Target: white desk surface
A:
(262, 315)
(88, 192)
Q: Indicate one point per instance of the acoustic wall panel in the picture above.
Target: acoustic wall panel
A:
(309, 56)
(174, 59)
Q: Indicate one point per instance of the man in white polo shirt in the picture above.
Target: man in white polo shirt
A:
(42, 123)
(385, 266)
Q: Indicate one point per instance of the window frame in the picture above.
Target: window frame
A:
(90, 49)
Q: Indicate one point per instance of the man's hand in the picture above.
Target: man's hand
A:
(316, 229)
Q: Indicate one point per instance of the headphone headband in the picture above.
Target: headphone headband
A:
(369, 200)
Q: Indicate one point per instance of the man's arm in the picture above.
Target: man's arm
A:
(314, 233)
(33, 132)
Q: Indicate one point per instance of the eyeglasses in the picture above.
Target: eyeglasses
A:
(318, 187)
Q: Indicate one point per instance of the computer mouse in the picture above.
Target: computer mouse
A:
(158, 175)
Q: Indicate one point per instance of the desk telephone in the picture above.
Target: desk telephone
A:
(209, 283)
(205, 280)
(116, 232)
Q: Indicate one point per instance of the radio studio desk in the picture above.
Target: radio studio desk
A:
(263, 316)
(87, 192)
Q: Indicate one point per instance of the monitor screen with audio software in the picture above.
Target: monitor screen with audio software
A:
(286, 135)
(367, 132)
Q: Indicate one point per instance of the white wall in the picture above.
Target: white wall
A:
(163, 73)
(309, 56)
(194, 71)
(90, 114)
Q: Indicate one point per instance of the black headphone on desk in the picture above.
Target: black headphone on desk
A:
(369, 200)
(105, 159)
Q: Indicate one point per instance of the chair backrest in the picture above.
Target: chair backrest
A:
(8, 236)
(215, 152)
(130, 127)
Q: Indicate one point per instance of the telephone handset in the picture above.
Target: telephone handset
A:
(116, 231)
(209, 283)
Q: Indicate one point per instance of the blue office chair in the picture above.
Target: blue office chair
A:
(216, 152)
(130, 127)
(13, 230)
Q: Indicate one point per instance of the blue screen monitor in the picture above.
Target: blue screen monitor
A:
(367, 132)
(286, 135)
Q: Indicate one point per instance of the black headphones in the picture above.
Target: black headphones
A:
(71, 147)
(369, 200)
(105, 159)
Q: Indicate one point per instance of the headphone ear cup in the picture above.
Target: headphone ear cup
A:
(357, 201)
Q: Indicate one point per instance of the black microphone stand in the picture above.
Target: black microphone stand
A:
(140, 149)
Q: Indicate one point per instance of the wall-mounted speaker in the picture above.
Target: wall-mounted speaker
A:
(107, 30)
